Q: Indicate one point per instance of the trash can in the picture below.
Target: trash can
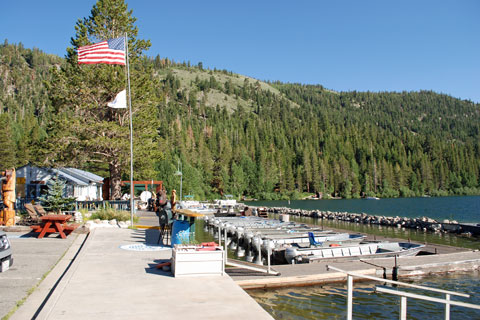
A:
(180, 232)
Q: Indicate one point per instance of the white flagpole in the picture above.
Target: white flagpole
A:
(132, 189)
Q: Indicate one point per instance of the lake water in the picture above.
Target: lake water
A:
(462, 209)
(329, 301)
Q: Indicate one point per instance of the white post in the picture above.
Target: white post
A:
(268, 256)
(403, 308)
(349, 297)
(219, 235)
(132, 189)
(225, 243)
(447, 307)
(225, 253)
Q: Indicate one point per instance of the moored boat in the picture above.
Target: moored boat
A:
(295, 254)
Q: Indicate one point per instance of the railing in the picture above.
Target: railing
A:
(404, 295)
(89, 205)
(95, 205)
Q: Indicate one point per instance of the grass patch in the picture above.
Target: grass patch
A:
(109, 213)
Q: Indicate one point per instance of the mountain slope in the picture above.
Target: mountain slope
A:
(237, 135)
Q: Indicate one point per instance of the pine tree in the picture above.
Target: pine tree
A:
(54, 200)
(87, 132)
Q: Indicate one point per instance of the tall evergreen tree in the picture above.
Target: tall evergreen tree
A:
(85, 131)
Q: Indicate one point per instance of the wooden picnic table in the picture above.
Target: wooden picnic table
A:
(52, 223)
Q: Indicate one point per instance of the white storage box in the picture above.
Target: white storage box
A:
(189, 261)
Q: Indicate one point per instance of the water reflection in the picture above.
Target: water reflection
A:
(329, 301)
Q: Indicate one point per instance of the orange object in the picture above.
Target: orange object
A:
(7, 216)
(206, 249)
(8, 188)
(53, 223)
(173, 199)
(335, 245)
(209, 244)
(160, 265)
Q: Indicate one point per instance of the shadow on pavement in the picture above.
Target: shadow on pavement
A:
(152, 268)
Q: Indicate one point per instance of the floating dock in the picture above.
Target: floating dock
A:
(252, 237)
(317, 273)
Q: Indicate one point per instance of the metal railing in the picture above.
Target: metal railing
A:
(95, 205)
(404, 295)
(89, 205)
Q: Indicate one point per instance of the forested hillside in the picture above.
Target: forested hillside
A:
(236, 135)
(24, 100)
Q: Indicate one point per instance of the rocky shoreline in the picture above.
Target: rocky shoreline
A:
(423, 223)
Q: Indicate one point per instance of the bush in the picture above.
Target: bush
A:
(109, 213)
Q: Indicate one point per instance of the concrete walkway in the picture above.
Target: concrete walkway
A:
(105, 281)
(32, 259)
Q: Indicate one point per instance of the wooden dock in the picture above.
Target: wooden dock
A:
(317, 273)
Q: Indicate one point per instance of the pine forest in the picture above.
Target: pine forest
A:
(232, 134)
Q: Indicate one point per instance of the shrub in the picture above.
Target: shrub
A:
(109, 213)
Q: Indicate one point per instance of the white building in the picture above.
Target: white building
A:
(83, 185)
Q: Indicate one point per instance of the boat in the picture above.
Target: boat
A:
(372, 198)
(196, 206)
(365, 250)
(304, 238)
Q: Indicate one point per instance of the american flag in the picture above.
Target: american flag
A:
(111, 51)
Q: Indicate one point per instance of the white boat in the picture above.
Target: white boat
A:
(305, 239)
(295, 254)
(196, 206)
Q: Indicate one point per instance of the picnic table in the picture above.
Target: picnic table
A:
(52, 223)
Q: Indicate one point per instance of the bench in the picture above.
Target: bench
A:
(68, 228)
(36, 228)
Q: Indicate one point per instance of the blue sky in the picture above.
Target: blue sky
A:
(342, 45)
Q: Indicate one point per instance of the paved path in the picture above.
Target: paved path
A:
(32, 259)
(107, 282)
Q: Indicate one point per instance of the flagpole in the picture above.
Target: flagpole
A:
(132, 189)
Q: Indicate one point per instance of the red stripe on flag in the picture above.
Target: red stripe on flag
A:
(100, 53)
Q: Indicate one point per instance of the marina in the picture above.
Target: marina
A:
(401, 259)
(448, 260)
(397, 258)
(263, 282)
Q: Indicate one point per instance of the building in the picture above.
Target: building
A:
(82, 185)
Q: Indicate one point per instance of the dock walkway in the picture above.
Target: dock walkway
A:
(105, 281)
(317, 273)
